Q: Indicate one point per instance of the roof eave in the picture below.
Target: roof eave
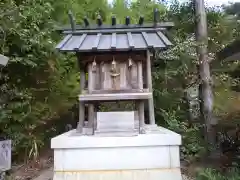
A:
(163, 25)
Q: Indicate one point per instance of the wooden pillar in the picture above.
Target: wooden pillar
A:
(82, 80)
(90, 105)
(149, 86)
(81, 104)
(141, 102)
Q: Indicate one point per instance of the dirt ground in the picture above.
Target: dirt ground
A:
(33, 168)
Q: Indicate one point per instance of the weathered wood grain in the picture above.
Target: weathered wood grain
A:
(115, 96)
(149, 86)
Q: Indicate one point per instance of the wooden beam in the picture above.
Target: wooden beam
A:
(115, 96)
(90, 78)
(82, 80)
(91, 115)
(81, 104)
(141, 102)
(103, 56)
(81, 117)
(107, 31)
(102, 91)
(141, 116)
(90, 106)
(140, 75)
(165, 25)
(149, 86)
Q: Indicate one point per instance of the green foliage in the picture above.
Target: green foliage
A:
(212, 174)
(192, 142)
(36, 78)
(40, 84)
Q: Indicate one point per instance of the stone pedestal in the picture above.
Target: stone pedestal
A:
(150, 156)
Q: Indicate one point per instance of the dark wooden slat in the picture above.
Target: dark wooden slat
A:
(108, 31)
(164, 38)
(119, 91)
(145, 37)
(114, 41)
(81, 41)
(130, 40)
(97, 40)
(117, 26)
(72, 21)
(64, 41)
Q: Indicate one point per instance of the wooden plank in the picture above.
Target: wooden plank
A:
(81, 41)
(91, 117)
(134, 76)
(141, 116)
(97, 40)
(90, 78)
(82, 80)
(102, 91)
(123, 75)
(116, 81)
(81, 104)
(140, 75)
(130, 40)
(106, 77)
(114, 41)
(97, 78)
(81, 117)
(149, 86)
(116, 96)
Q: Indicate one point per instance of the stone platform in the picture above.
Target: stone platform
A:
(150, 156)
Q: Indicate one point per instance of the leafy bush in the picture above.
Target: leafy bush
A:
(212, 174)
(192, 142)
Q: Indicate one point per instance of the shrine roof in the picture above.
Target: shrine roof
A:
(115, 37)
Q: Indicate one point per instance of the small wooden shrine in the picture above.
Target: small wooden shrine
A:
(115, 64)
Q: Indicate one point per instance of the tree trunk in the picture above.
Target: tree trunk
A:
(205, 93)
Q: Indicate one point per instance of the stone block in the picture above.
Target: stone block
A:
(5, 155)
(115, 121)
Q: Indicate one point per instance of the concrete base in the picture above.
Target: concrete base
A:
(150, 156)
